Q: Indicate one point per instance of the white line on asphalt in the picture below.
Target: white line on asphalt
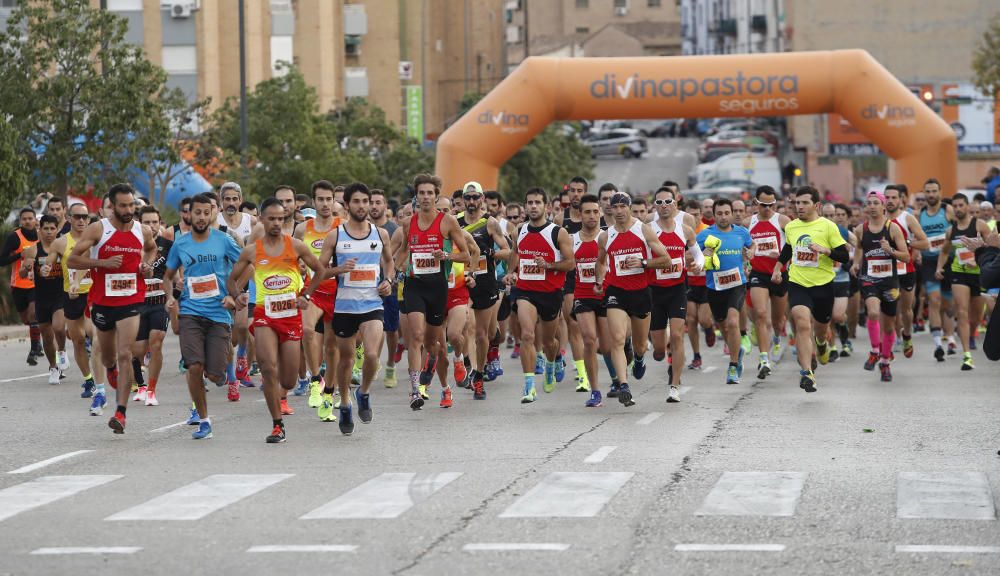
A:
(23, 378)
(386, 496)
(45, 490)
(944, 495)
(568, 495)
(754, 494)
(44, 463)
(729, 547)
(648, 418)
(920, 548)
(169, 426)
(515, 547)
(599, 455)
(201, 498)
(709, 369)
(684, 389)
(304, 548)
(87, 550)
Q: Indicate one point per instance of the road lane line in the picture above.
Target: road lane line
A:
(729, 548)
(386, 496)
(599, 455)
(45, 490)
(169, 426)
(709, 369)
(754, 494)
(86, 550)
(201, 498)
(568, 495)
(302, 548)
(944, 495)
(684, 389)
(648, 418)
(44, 463)
(23, 378)
(515, 547)
(931, 549)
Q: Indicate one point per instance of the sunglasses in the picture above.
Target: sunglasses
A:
(472, 196)
(772, 203)
(80, 216)
(664, 202)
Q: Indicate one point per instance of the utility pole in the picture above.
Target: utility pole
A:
(243, 89)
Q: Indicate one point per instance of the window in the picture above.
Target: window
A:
(653, 3)
(122, 5)
(582, 4)
(180, 59)
(621, 3)
(582, 30)
(8, 4)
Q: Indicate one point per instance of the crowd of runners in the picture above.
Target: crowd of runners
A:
(306, 294)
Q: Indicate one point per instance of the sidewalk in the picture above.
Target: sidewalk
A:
(13, 332)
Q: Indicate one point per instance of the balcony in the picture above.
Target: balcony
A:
(758, 24)
(726, 27)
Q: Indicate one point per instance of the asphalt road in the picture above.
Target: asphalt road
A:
(667, 159)
(776, 480)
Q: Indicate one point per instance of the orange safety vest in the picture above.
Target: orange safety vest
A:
(15, 268)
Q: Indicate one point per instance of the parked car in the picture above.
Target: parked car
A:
(738, 166)
(667, 128)
(625, 142)
(700, 194)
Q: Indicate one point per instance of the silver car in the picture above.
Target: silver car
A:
(625, 142)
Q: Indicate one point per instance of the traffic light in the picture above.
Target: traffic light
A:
(927, 96)
(797, 172)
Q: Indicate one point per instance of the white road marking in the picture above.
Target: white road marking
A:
(729, 548)
(23, 378)
(944, 495)
(86, 550)
(45, 490)
(684, 389)
(303, 548)
(386, 496)
(201, 498)
(648, 418)
(568, 495)
(44, 463)
(599, 455)
(931, 549)
(515, 547)
(709, 369)
(754, 494)
(169, 426)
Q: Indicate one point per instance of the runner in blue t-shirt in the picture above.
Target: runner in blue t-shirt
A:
(725, 245)
(207, 257)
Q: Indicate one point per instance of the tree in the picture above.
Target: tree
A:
(986, 60)
(76, 113)
(13, 169)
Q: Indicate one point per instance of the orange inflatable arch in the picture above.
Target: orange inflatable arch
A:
(848, 82)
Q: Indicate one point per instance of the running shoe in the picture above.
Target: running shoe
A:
(847, 349)
(952, 348)
(62, 362)
(302, 388)
(446, 397)
(397, 355)
(365, 411)
(204, 431)
(97, 406)
(389, 381)
(539, 364)
(416, 402)
(695, 364)
(530, 394)
(871, 361)
(193, 419)
(560, 369)
(423, 392)
(834, 354)
(745, 344)
(117, 423)
(346, 420)
(277, 435)
(325, 409)
(613, 391)
(807, 381)
(595, 399)
(315, 394)
(32, 360)
(181, 366)
(732, 375)
(88, 388)
(967, 361)
(140, 394)
(54, 374)
(478, 389)
(674, 395)
(516, 353)
(242, 369)
(286, 410)
(886, 373)
(151, 398)
(582, 384)
(549, 383)
(460, 373)
(822, 353)
(709, 337)
(427, 374)
(254, 369)
(490, 372)
(233, 394)
(908, 347)
(639, 368)
(625, 395)
(497, 368)
(939, 354)
(763, 369)
(510, 342)
(739, 364)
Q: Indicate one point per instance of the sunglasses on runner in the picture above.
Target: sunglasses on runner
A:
(771, 203)
(79, 216)
(664, 202)
(471, 196)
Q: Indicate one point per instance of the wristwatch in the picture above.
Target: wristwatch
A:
(644, 262)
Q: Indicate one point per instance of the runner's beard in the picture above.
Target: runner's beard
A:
(125, 218)
(199, 230)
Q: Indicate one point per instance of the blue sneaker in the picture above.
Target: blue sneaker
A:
(639, 368)
(613, 392)
(739, 365)
(732, 375)
(364, 406)
(595, 399)
(193, 419)
(203, 432)
(303, 387)
(181, 366)
(497, 369)
(560, 369)
(97, 406)
(346, 420)
(88, 389)
(539, 365)
(489, 373)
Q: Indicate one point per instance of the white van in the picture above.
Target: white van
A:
(759, 168)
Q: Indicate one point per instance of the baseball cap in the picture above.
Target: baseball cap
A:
(878, 195)
(309, 213)
(475, 185)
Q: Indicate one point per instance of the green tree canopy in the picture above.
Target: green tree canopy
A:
(986, 60)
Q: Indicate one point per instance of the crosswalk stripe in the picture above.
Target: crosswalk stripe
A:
(729, 548)
(931, 549)
(599, 455)
(303, 548)
(201, 498)
(515, 547)
(648, 418)
(44, 463)
(568, 495)
(944, 495)
(386, 496)
(86, 550)
(45, 490)
(754, 494)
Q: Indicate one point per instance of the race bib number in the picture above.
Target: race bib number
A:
(425, 263)
(936, 243)
(120, 285)
(766, 246)
(726, 279)
(586, 272)
(154, 287)
(965, 256)
(363, 276)
(620, 265)
(481, 267)
(203, 287)
(673, 272)
(900, 267)
(805, 257)
(281, 305)
(879, 268)
(531, 271)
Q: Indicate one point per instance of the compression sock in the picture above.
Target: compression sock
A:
(887, 341)
(137, 372)
(873, 333)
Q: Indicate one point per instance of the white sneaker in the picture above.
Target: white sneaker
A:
(674, 395)
(62, 362)
(54, 375)
(151, 399)
(140, 395)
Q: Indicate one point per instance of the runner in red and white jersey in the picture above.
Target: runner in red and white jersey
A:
(625, 251)
(120, 251)
(769, 300)
(668, 286)
(588, 307)
(916, 240)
